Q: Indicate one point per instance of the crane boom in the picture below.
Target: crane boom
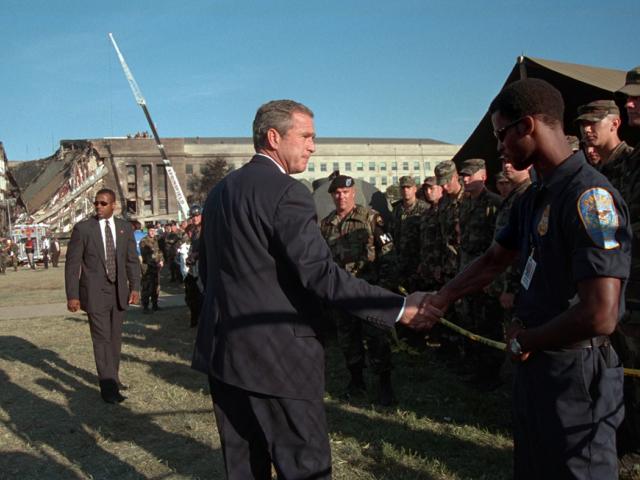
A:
(173, 179)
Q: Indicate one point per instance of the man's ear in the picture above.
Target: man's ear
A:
(273, 138)
(615, 124)
(527, 125)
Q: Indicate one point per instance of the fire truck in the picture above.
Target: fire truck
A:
(36, 231)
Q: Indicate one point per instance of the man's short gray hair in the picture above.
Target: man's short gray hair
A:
(275, 114)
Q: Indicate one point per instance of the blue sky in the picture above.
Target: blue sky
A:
(404, 68)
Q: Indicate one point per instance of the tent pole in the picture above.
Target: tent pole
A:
(523, 67)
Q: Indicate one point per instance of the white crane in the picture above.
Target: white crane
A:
(182, 201)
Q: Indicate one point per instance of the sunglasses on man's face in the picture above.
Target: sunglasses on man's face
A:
(101, 203)
(502, 132)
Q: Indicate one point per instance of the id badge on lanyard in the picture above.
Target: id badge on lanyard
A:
(529, 270)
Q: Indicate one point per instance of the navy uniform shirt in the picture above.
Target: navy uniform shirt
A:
(575, 226)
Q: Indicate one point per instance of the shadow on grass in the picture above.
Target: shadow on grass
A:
(84, 430)
(437, 418)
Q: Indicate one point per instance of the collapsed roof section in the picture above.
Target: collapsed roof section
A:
(59, 189)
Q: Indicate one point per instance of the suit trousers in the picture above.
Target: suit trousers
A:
(258, 430)
(106, 333)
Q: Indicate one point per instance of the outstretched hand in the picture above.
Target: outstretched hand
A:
(418, 314)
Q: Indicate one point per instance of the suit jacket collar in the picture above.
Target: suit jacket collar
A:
(267, 160)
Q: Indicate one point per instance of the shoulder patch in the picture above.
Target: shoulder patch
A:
(599, 217)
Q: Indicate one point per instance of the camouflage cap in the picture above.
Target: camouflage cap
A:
(632, 83)
(430, 182)
(597, 110)
(471, 166)
(444, 171)
(341, 181)
(407, 181)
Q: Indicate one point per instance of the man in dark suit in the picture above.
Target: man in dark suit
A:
(102, 277)
(266, 270)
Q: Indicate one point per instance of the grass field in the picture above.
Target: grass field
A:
(53, 424)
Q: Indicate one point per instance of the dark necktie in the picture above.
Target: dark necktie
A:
(111, 252)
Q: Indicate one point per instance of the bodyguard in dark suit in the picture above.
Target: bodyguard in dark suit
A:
(266, 270)
(102, 277)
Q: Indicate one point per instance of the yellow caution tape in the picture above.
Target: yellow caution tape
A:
(629, 372)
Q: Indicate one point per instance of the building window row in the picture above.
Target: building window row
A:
(372, 166)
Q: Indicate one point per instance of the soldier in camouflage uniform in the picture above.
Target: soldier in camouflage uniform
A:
(479, 312)
(599, 122)
(192, 286)
(152, 261)
(407, 215)
(429, 268)
(503, 185)
(4, 256)
(12, 252)
(359, 244)
(506, 286)
(444, 259)
(449, 219)
(171, 244)
(625, 176)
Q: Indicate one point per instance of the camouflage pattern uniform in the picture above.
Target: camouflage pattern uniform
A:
(449, 222)
(624, 174)
(360, 246)
(613, 169)
(429, 269)
(626, 340)
(151, 258)
(171, 244)
(479, 312)
(12, 252)
(4, 256)
(509, 280)
(406, 239)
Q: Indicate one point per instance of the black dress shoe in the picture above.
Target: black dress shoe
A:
(109, 391)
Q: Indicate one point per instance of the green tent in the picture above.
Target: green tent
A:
(579, 84)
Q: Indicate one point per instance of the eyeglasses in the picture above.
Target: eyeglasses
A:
(101, 203)
(502, 132)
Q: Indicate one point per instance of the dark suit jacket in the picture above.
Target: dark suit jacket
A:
(85, 266)
(266, 269)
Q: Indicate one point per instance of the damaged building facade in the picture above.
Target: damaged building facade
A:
(59, 190)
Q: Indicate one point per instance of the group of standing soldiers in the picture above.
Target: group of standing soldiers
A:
(426, 244)
(436, 232)
(177, 248)
(599, 122)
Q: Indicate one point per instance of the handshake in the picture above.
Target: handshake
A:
(423, 310)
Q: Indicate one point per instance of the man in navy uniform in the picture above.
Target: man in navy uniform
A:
(571, 230)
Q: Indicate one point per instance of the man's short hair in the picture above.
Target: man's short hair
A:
(275, 114)
(107, 191)
(530, 96)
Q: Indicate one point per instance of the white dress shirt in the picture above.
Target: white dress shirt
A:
(112, 225)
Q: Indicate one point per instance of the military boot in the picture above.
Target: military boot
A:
(385, 391)
(146, 310)
(155, 306)
(356, 386)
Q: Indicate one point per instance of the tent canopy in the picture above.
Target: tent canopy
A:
(579, 84)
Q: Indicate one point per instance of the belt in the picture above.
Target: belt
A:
(601, 341)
